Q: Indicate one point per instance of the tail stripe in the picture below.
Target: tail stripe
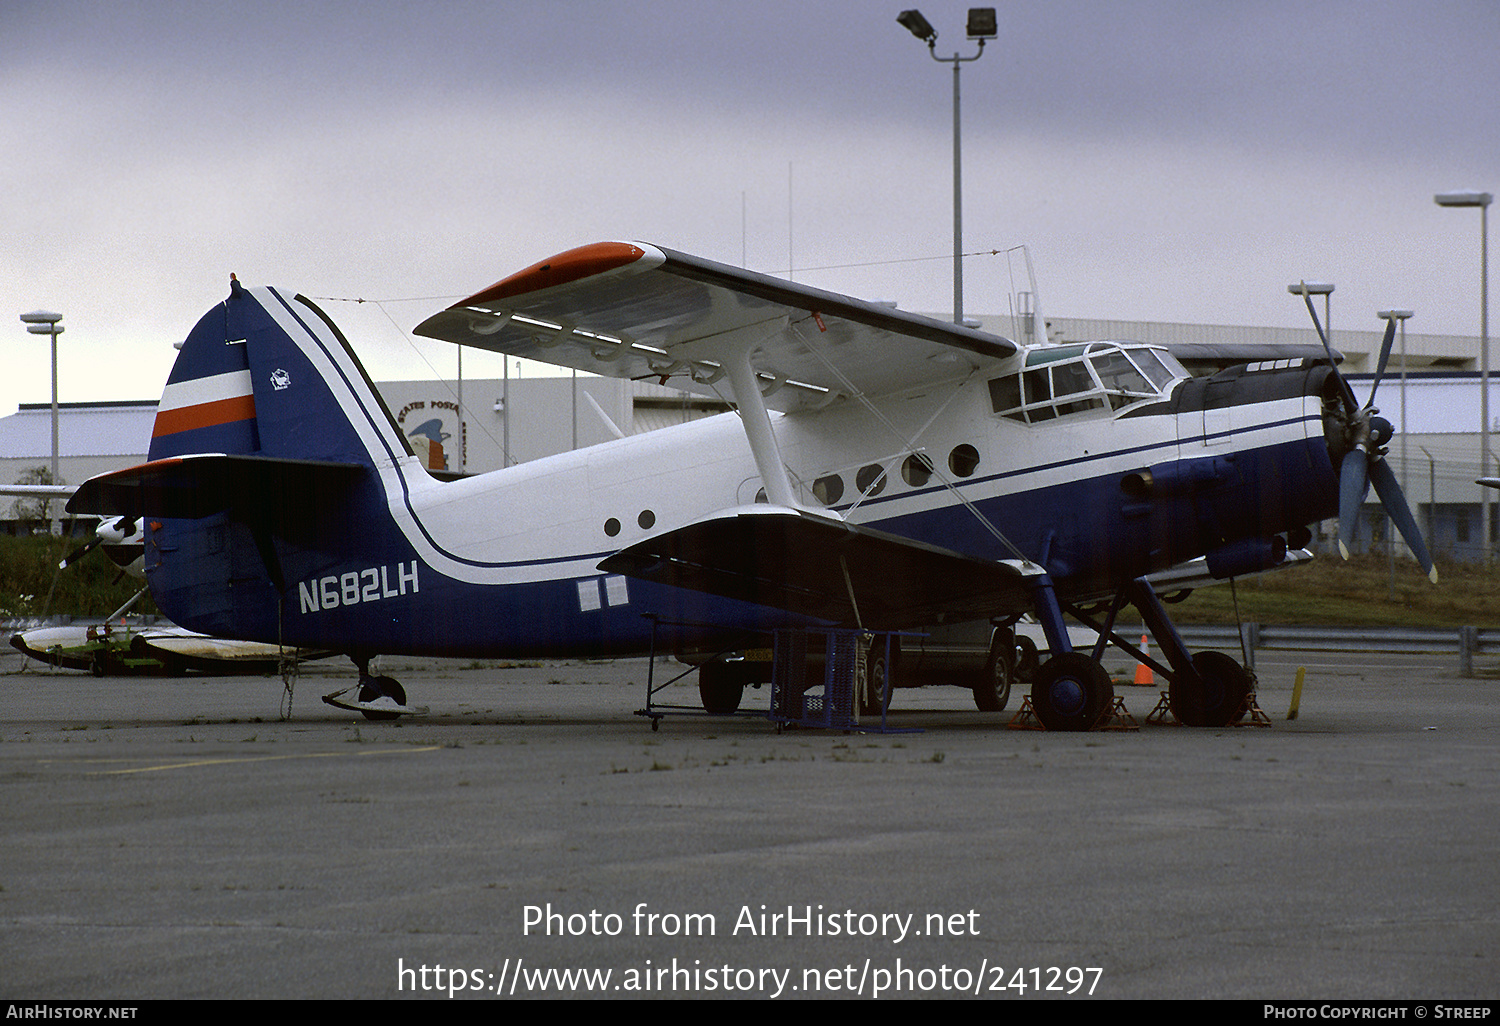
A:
(189, 418)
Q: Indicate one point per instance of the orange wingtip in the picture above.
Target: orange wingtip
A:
(583, 262)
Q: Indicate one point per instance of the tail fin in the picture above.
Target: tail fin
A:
(265, 375)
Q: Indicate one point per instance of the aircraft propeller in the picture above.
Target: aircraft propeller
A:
(116, 532)
(1365, 433)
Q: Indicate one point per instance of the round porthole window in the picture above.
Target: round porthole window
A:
(828, 490)
(916, 469)
(611, 527)
(647, 519)
(963, 460)
(870, 480)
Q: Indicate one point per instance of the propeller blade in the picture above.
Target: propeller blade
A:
(1353, 482)
(79, 553)
(1394, 501)
(1385, 357)
(1350, 404)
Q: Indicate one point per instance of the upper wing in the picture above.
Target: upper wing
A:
(823, 568)
(638, 311)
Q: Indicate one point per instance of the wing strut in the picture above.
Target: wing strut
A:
(745, 387)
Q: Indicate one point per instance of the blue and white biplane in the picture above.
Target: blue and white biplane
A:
(881, 469)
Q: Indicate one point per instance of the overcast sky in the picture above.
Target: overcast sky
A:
(1174, 161)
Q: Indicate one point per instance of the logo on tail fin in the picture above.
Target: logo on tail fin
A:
(436, 423)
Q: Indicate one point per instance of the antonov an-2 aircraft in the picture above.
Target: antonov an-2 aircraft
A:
(883, 470)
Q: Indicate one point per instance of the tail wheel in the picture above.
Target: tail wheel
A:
(992, 693)
(374, 688)
(720, 686)
(1071, 692)
(1216, 698)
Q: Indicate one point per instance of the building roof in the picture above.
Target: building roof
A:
(84, 429)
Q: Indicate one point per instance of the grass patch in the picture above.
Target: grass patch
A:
(1331, 591)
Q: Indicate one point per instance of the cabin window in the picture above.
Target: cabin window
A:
(828, 489)
(870, 480)
(1060, 381)
(963, 460)
(916, 469)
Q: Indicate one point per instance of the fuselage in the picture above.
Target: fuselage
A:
(1101, 473)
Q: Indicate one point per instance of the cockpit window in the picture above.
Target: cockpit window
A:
(1065, 380)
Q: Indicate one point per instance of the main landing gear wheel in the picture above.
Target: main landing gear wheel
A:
(1217, 699)
(1071, 692)
(372, 689)
(720, 686)
(992, 692)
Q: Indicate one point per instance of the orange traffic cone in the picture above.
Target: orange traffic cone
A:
(1143, 676)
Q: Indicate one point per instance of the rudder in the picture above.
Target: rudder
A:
(262, 374)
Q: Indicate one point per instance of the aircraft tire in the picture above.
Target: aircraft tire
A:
(1217, 699)
(1071, 692)
(720, 686)
(1027, 663)
(378, 687)
(992, 692)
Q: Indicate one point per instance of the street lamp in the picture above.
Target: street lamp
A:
(44, 322)
(981, 26)
(1474, 198)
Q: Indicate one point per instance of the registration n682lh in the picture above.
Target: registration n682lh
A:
(356, 587)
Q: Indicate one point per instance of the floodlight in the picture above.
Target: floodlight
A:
(917, 25)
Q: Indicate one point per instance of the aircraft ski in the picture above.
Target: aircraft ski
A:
(880, 470)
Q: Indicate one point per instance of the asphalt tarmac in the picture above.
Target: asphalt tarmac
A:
(174, 838)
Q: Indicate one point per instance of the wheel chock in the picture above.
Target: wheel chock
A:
(1117, 717)
(1253, 715)
(1162, 714)
(1025, 717)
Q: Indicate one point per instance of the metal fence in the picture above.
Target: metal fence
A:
(1464, 643)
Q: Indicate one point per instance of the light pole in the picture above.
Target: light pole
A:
(1474, 198)
(981, 26)
(44, 322)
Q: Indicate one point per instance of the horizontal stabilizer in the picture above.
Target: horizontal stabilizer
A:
(197, 486)
(810, 565)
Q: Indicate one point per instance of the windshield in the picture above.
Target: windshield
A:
(1065, 380)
